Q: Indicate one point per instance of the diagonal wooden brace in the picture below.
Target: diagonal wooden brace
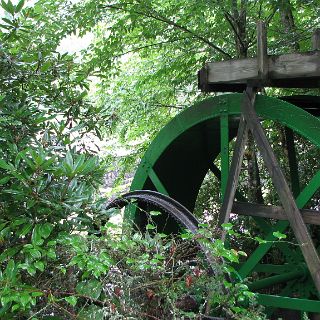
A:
(291, 210)
(235, 168)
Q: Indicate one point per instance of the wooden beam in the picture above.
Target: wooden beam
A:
(294, 70)
(292, 65)
(292, 212)
(272, 212)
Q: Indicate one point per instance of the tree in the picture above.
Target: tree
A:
(147, 53)
(49, 176)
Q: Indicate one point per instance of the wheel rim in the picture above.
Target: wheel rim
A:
(180, 156)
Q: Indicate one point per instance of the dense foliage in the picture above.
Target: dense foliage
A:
(58, 257)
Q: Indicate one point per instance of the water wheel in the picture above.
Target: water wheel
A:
(201, 139)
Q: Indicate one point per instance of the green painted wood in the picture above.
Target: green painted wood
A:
(266, 107)
(157, 182)
(224, 149)
(305, 305)
(201, 118)
(284, 277)
(274, 268)
(233, 176)
(280, 226)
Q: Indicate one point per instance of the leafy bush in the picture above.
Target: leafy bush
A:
(119, 275)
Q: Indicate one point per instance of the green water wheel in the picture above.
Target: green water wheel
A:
(199, 140)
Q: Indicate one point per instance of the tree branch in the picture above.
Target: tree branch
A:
(229, 18)
(173, 24)
(148, 46)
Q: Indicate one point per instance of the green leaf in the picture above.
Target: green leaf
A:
(20, 5)
(36, 235)
(25, 229)
(90, 288)
(8, 253)
(91, 313)
(11, 269)
(279, 235)
(227, 226)
(69, 159)
(155, 213)
(4, 180)
(45, 230)
(71, 300)
(260, 240)
(31, 270)
(15, 307)
(39, 265)
(35, 254)
(24, 298)
(150, 226)
(51, 254)
(4, 165)
(8, 6)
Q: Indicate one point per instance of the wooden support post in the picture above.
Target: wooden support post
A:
(292, 212)
(235, 168)
(316, 39)
(262, 55)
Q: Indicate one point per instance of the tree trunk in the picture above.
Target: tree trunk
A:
(287, 20)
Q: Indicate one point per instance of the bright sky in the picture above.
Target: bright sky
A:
(74, 44)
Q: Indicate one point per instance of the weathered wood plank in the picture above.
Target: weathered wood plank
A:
(232, 70)
(292, 65)
(262, 54)
(292, 212)
(272, 212)
(295, 65)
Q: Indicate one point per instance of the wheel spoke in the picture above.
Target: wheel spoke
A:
(280, 226)
(157, 182)
(224, 148)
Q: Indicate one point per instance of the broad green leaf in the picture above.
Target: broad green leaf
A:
(11, 269)
(8, 253)
(227, 226)
(24, 298)
(279, 235)
(45, 230)
(4, 180)
(155, 213)
(4, 165)
(36, 235)
(8, 6)
(69, 159)
(91, 313)
(150, 226)
(71, 300)
(19, 6)
(39, 265)
(25, 229)
(91, 288)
